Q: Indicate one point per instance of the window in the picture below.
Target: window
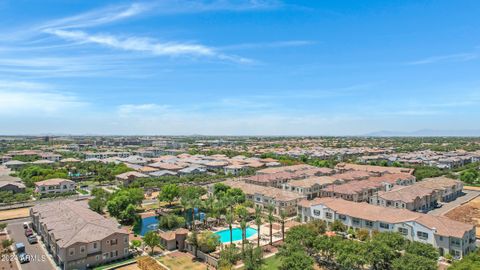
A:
(105, 255)
(82, 249)
(71, 251)
(95, 245)
(342, 217)
(384, 225)
(125, 251)
(126, 240)
(369, 223)
(403, 231)
(422, 235)
(328, 215)
(97, 257)
(356, 221)
(113, 242)
(316, 212)
(455, 241)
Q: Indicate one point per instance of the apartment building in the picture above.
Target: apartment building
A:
(56, 185)
(77, 237)
(413, 198)
(311, 187)
(372, 169)
(447, 235)
(447, 189)
(264, 196)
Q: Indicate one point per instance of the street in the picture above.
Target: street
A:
(469, 195)
(39, 258)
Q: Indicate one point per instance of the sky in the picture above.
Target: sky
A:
(231, 67)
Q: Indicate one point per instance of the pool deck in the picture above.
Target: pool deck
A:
(264, 233)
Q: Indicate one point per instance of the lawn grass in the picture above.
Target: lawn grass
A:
(181, 263)
(271, 263)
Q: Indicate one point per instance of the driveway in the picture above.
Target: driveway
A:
(40, 259)
(468, 196)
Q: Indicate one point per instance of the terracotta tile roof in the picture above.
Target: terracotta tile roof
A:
(53, 182)
(317, 180)
(370, 168)
(443, 225)
(406, 194)
(72, 222)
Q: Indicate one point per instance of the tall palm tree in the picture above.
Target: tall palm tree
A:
(194, 203)
(185, 203)
(258, 222)
(283, 216)
(243, 225)
(230, 219)
(270, 219)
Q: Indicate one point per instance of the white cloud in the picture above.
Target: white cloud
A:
(461, 57)
(145, 45)
(129, 110)
(21, 98)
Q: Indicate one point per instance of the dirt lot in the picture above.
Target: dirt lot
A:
(468, 213)
(14, 213)
(129, 267)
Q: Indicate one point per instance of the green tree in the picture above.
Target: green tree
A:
(471, 261)
(169, 193)
(229, 257)
(152, 240)
(193, 239)
(258, 222)
(295, 259)
(422, 249)
(351, 255)
(171, 221)
(208, 241)
(97, 204)
(283, 217)
(270, 219)
(338, 226)
(469, 176)
(414, 262)
(253, 257)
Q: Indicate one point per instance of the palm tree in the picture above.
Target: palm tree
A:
(270, 219)
(185, 205)
(194, 203)
(258, 222)
(230, 219)
(283, 216)
(243, 225)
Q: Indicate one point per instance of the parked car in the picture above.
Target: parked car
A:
(25, 225)
(32, 239)
(28, 232)
(21, 254)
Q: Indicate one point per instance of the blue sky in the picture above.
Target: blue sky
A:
(238, 67)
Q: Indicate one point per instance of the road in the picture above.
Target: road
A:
(469, 195)
(40, 259)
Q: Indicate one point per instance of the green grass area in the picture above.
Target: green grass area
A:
(114, 265)
(82, 191)
(181, 263)
(272, 263)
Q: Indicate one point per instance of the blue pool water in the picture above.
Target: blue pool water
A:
(149, 224)
(236, 234)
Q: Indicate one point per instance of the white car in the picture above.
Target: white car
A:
(25, 225)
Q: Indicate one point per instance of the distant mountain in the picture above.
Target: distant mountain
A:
(426, 133)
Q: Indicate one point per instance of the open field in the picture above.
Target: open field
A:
(14, 213)
(468, 213)
(181, 261)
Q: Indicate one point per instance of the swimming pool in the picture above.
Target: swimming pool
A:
(149, 224)
(236, 234)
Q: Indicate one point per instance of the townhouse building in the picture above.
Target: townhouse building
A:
(76, 237)
(447, 235)
(413, 198)
(56, 185)
(263, 197)
(311, 187)
(447, 189)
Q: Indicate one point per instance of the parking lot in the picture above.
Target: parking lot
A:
(40, 259)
